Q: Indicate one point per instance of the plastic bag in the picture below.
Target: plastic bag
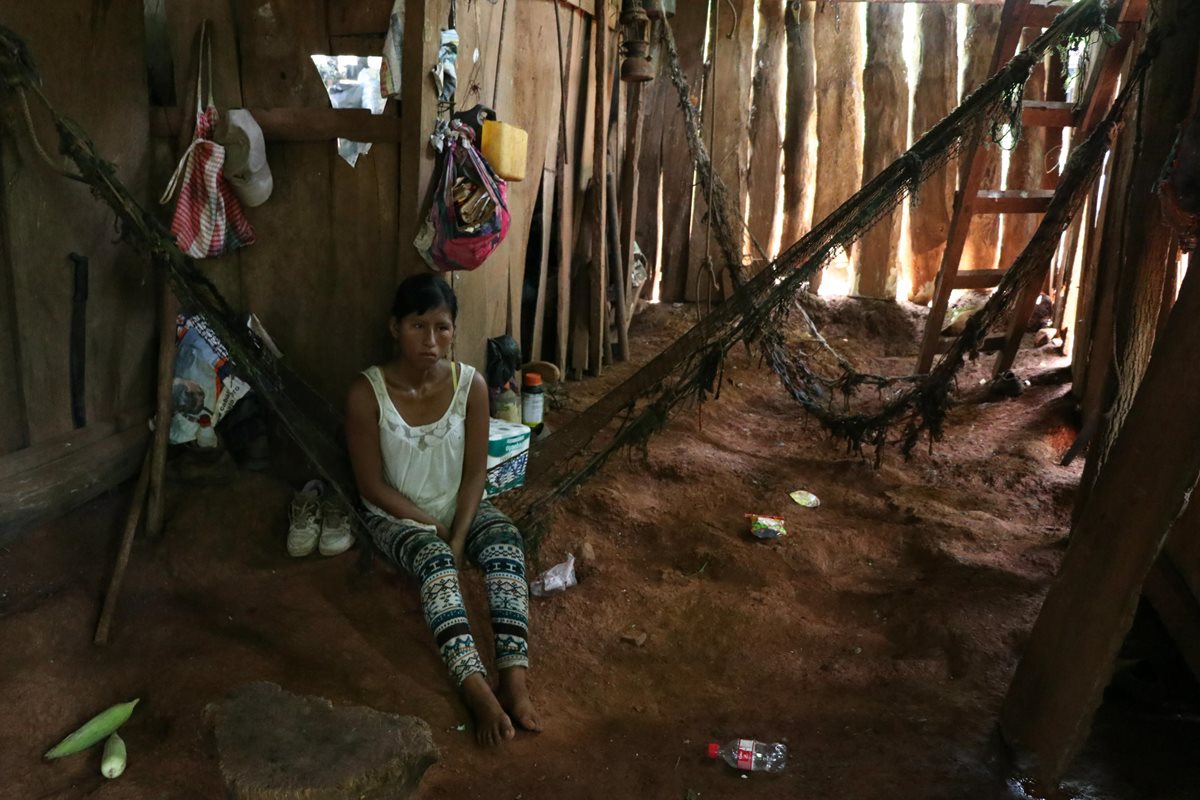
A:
(469, 216)
(558, 578)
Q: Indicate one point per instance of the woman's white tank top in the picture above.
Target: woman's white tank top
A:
(424, 462)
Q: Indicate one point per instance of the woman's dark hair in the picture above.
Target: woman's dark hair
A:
(421, 293)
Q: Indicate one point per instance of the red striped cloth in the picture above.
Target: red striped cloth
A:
(208, 220)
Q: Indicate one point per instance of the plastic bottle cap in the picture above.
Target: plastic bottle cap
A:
(533, 379)
(713, 749)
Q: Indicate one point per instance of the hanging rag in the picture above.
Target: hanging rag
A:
(393, 52)
(208, 219)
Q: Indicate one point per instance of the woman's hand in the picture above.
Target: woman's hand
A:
(458, 546)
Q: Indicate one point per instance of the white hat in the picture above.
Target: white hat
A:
(245, 157)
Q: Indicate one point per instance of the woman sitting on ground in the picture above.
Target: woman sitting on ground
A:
(417, 429)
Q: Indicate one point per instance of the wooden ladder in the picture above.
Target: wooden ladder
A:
(1083, 114)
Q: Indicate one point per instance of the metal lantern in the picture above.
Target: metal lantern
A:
(635, 46)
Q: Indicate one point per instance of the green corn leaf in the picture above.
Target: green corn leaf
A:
(96, 729)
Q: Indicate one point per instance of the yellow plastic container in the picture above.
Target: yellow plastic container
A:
(505, 147)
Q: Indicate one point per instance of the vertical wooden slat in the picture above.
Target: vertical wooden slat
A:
(631, 178)
(839, 46)
(766, 118)
(935, 94)
(799, 121)
(14, 427)
(885, 93)
(572, 34)
(688, 26)
(598, 318)
(726, 132)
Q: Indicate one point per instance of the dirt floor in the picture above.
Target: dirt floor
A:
(876, 639)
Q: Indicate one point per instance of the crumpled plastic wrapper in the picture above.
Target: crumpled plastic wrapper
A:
(558, 578)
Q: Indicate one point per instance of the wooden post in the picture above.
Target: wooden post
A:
(678, 173)
(630, 193)
(1140, 245)
(935, 94)
(168, 307)
(885, 92)
(726, 109)
(1139, 493)
(617, 269)
(838, 36)
(983, 28)
(799, 120)
(571, 36)
(765, 113)
(599, 298)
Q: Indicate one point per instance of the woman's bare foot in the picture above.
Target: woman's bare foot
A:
(492, 725)
(514, 697)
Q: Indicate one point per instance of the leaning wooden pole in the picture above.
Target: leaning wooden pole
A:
(1140, 492)
(1137, 245)
(885, 93)
(163, 412)
(136, 505)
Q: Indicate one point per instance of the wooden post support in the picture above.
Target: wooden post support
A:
(1139, 493)
(885, 92)
(798, 124)
(136, 504)
(599, 299)
(168, 308)
(631, 191)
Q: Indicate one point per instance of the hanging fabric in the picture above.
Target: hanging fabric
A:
(393, 52)
(208, 218)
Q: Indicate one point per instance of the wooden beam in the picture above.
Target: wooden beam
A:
(1141, 490)
(297, 124)
(53, 486)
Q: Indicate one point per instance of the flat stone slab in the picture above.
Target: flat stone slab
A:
(275, 745)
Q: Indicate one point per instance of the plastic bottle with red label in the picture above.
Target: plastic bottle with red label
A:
(751, 756)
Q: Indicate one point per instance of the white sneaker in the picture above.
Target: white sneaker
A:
(305, 516)
(336, 536)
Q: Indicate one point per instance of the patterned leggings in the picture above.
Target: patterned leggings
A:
(493, 543)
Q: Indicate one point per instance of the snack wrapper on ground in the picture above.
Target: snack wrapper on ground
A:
(764, 527)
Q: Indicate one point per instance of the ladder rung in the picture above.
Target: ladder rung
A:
(978, 278)
(1013, 201)
(1048, 114)
(1041, 15)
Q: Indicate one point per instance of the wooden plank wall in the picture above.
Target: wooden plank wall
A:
(91, 58)
(518, 74)
(323, 270)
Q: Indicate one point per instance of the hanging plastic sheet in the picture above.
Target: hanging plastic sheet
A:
(445, 71)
